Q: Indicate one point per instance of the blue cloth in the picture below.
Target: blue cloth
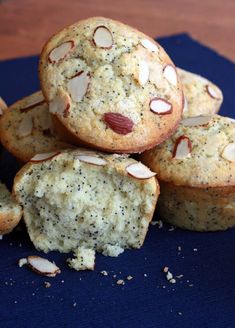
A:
(203, 297)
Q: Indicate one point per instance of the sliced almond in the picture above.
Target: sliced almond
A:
(44, 157)
(35, 101)
(60, 52)
(60, 105)
(232, 120)
(229, 152)
(196, 120)
(43, 266)
(212, 92)
(143, 72)
(118, 123)
(160, 106)
(146, 43)
(78, 85)
(169, 72)
(185, 108)
(92, 160)
(182, 148)
(3, 106)
(25, 127)
(102, 37)
(139, 171)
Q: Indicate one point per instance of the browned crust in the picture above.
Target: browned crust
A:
(9, 220)
(23, 155)
(214, 209)
(74, 139)
(158, 135)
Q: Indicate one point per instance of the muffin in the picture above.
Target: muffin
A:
(10, 211)
(80, 200)
(26, 128)
(202, 97)
(196, 170)
(110, 86)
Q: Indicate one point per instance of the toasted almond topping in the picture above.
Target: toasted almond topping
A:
(60, 105)
(139, 171)
(212, 92)
(25, 127)
(35, 101)
(43, 266)
(3, 106)
(78, 85)
(228, 152)
(118, 123)
(160, 106)
(92, 160)
(143, 72)
(196, 120)
(185, 108)
(150, 45)
(102, 37)
(169, 72)
(44, 157)
(60, 52)
(183, 147)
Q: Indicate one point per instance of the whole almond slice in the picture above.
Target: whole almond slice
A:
(36, 101)
(169, 72)
(196, 120)
(212, 92)
(25, 127)
(118, 123)
(139, 171)
(102, 37)
(44, 157)
(60, 105)
(143, 72)
(160, 106)
(43, 266)
(228, 152)
(78, 85)
(182, 148)
(60, 52)
(92, 160)
(3, 106)
(146, 43)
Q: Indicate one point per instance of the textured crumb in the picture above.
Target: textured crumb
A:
(67, 203)
(22, 262)
(104, 273)
(84, 259)
(47, 284)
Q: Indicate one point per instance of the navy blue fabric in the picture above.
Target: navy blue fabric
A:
(203, 297)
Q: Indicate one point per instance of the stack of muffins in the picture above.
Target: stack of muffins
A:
(110, 88)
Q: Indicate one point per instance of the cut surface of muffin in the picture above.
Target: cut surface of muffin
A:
(86, 199)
